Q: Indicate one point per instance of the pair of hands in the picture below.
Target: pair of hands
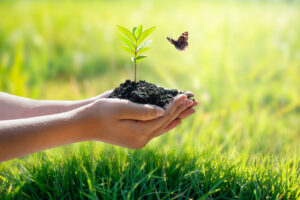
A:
(124, 123)
(28, 126)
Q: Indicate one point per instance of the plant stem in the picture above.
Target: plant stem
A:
(134, 71)
(135, 61)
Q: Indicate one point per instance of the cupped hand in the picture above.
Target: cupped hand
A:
(122, 122)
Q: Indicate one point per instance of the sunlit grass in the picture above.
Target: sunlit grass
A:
(88, 171)
(243, 64)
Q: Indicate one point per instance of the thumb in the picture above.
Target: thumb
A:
(105, 94)
(141, 112)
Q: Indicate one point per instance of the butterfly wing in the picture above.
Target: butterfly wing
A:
(182, 43)
(171, 40)
(184, 36)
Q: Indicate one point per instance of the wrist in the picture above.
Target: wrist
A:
(85, 122)
(71, 105)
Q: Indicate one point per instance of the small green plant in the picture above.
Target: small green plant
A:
(134, 43)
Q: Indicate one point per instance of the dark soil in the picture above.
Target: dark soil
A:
(145, 93)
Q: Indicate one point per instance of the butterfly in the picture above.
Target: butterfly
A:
(180, 44)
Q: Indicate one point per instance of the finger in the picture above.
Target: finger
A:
(195, 103)
(170, 109)
(186, 113)
(189, 93)
(161, 131)
(172, 125)
(172, 117)
(142, 112)
(187, 103)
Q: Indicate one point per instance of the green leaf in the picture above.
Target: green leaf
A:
(144, 44)
(128, 43)
(133, 30)
(132, 59)
(142, 50)
(137, 31)
(127, 33)
(139, 58)
(145, 34)
(128, 50)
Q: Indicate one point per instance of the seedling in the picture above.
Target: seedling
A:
(142, 91)
(134, 43)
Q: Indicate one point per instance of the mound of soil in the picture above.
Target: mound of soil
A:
(145, 93)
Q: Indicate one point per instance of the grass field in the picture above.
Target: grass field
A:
(243, 64)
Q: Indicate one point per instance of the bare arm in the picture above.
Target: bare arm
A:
(114, 121)
(15, 107)
(24, 136)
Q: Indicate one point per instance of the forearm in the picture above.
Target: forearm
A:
(14, 107)
(24, 136)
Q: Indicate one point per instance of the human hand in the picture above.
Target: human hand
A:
(132, 125)
(114, 121)
(184, 114)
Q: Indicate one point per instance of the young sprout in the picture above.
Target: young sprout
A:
(133, 41)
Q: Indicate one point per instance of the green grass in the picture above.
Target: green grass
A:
(114, 173)
(243, 65)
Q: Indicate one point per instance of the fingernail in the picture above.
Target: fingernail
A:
(160, 112)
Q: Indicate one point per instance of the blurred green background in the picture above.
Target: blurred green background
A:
(243, 64)
(243, 61)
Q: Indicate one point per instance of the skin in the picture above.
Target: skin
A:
(15, 107)
(28, 126)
